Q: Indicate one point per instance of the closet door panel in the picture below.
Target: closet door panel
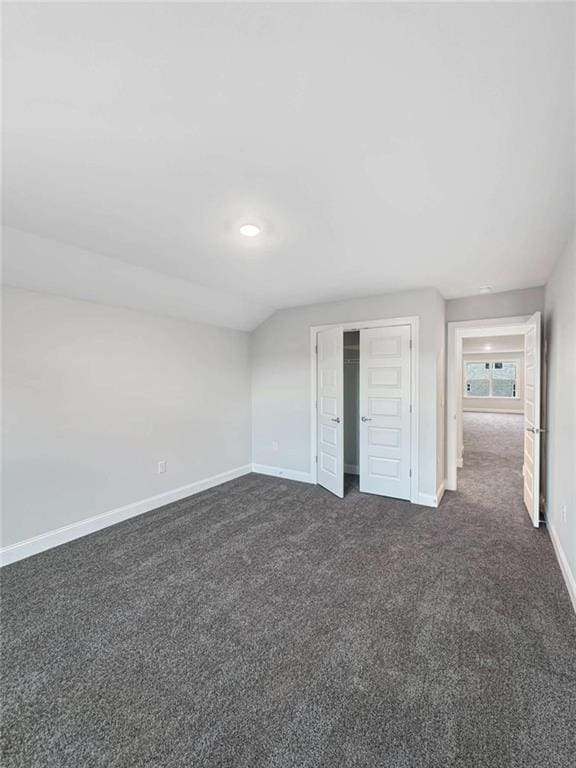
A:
(330, 410)
(385, 370)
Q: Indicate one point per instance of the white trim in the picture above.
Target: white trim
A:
(44, 541)
(494, 410)
(440, 492)
(491, 326)
(457, 331)
(427, 500)
(432, 500)
(466, 396)
(494, 352)
(287, 474)
(488, 398)
(564, 565)
(351, 469)
(414, 322)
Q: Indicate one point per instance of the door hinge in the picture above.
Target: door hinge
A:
(410, 343)
(409, 473)
(410, 407)
(316, 458)
(316, 348)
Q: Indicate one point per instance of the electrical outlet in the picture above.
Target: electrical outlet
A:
(161, 467)
(274, 446)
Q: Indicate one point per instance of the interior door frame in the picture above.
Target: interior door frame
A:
(457, 331)
(414, 322)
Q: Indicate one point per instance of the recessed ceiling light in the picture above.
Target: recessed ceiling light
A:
(486, 289)
(250, 230)
(487, 347)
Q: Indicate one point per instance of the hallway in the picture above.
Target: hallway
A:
(493, 446)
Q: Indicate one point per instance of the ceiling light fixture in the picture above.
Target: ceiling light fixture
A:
(487, 347)
(486, 289)
(250, 230)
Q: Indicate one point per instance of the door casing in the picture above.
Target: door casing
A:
(457, 331)
(413, 322)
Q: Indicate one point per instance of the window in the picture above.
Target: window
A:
(493, 379)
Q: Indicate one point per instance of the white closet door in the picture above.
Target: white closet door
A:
(385, 363)
(531, 468)
(330, 410)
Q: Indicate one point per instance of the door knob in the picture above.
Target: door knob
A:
(535, 430)
(365, 418)
(337, 419)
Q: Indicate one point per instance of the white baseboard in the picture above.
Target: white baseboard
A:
(44, 541)
(427, 500)
(287, 474)
(351, 469)
(564, 565)
(431, 499)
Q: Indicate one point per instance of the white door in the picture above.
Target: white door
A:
(330, 410)
(531, 468)
(385, 411)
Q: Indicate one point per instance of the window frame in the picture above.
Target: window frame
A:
(515, 363)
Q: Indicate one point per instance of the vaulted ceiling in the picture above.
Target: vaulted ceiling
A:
(380, 147)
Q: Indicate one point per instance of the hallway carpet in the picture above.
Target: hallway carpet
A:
(267, 623)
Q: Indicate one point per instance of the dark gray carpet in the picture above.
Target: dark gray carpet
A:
(266, 623)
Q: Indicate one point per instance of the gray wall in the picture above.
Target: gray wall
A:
(281, 376)
(440, 394)
(560, 419)
(95, 396)
(506, 304)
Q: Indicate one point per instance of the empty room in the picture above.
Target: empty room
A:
(288, 385)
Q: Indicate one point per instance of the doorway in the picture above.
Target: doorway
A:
(365, 409)
(492, 398)
(351, 409)
(494, 401)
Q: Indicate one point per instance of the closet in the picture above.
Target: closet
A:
(364, 409)
(352, 403)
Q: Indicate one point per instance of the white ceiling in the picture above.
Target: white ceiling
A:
(41, 264)
(493, 344)
(381, 147)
